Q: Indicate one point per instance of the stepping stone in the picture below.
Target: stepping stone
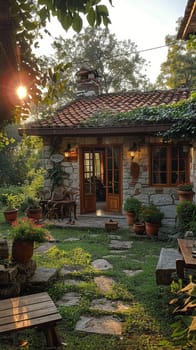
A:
(117, 252)
(101, 264)
(114, 236)
(100, 325)
(131, 273)
(71, 239)
(115, 244)
(44, 247)
(43, 275)
(67, 269)
(109, 305)
(114, 256)
(69, 299)
(105, 284)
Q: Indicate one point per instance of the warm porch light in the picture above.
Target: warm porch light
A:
(132, 150)
(67, 151)
(21, 92)
(132, 154)
(70, 153)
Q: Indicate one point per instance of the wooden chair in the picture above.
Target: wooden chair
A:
(62, 204)
(45, 196)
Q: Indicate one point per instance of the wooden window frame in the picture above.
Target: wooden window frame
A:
(169, 165)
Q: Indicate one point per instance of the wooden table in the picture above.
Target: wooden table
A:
(62, 209)
(35, 310)
(188, 262)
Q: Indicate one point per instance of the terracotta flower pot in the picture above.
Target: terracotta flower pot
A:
(35, 214)
(130, 218)
(151, 229)
(10, 215)
(139, 228)
(22, 251)
(185, 196)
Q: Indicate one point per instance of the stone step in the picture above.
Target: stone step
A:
(166, 265)
(41, 279)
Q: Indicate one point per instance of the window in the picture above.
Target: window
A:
(169, 164)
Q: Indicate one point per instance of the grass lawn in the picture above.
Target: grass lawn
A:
(147, 324)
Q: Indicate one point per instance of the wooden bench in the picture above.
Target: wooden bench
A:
(187, 266)
(167, 265)
(35, 310)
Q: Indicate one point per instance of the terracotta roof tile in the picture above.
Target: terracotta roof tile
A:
(71, 115)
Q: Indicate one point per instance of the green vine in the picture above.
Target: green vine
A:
(180, 116)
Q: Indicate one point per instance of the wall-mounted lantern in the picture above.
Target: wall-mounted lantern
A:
(133, 148)
(70, 153)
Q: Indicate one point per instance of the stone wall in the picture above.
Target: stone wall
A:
(135, 173)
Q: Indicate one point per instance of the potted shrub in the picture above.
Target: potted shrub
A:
(132, 206)
(152, 216)
(32, 206)
(139, 225)
(185, 192)
(11, 210)
(186, 214)
(25, 232)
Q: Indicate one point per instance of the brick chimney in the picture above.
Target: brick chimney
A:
(87, 82)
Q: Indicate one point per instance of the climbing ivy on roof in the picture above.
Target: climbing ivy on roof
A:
(180, 116)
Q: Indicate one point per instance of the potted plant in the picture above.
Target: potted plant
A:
(152, 216)
(186, 214)
(139, 225)
(185, 192)
(32, 206)
(25, 232)
(11, 210)
(132, 206)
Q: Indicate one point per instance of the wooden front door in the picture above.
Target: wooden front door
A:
(113, 178)
(100, 178)
(88, 188)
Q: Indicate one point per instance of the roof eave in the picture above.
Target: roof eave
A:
(188, 25)
(110, 131)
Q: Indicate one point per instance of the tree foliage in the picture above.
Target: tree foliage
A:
(69, 12)
(21, 25)
(19, 158)
(179, 70)
(117, 62)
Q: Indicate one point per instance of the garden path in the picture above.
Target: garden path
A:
(110, 318)
(92, 221)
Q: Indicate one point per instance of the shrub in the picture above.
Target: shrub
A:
(12, 201)
(27, 230)
(185, 187)
(184, 328)
(151, 213)
(133, 205)
(186, 213)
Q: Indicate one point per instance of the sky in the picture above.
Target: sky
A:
(146, 23)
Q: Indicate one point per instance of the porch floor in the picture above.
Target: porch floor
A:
(94, 220)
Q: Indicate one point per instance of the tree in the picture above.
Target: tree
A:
(68, 12)
(179, 70)
(117, 62)
(18, 157)
(21, 22)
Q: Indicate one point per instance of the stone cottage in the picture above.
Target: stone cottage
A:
(107, 162)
